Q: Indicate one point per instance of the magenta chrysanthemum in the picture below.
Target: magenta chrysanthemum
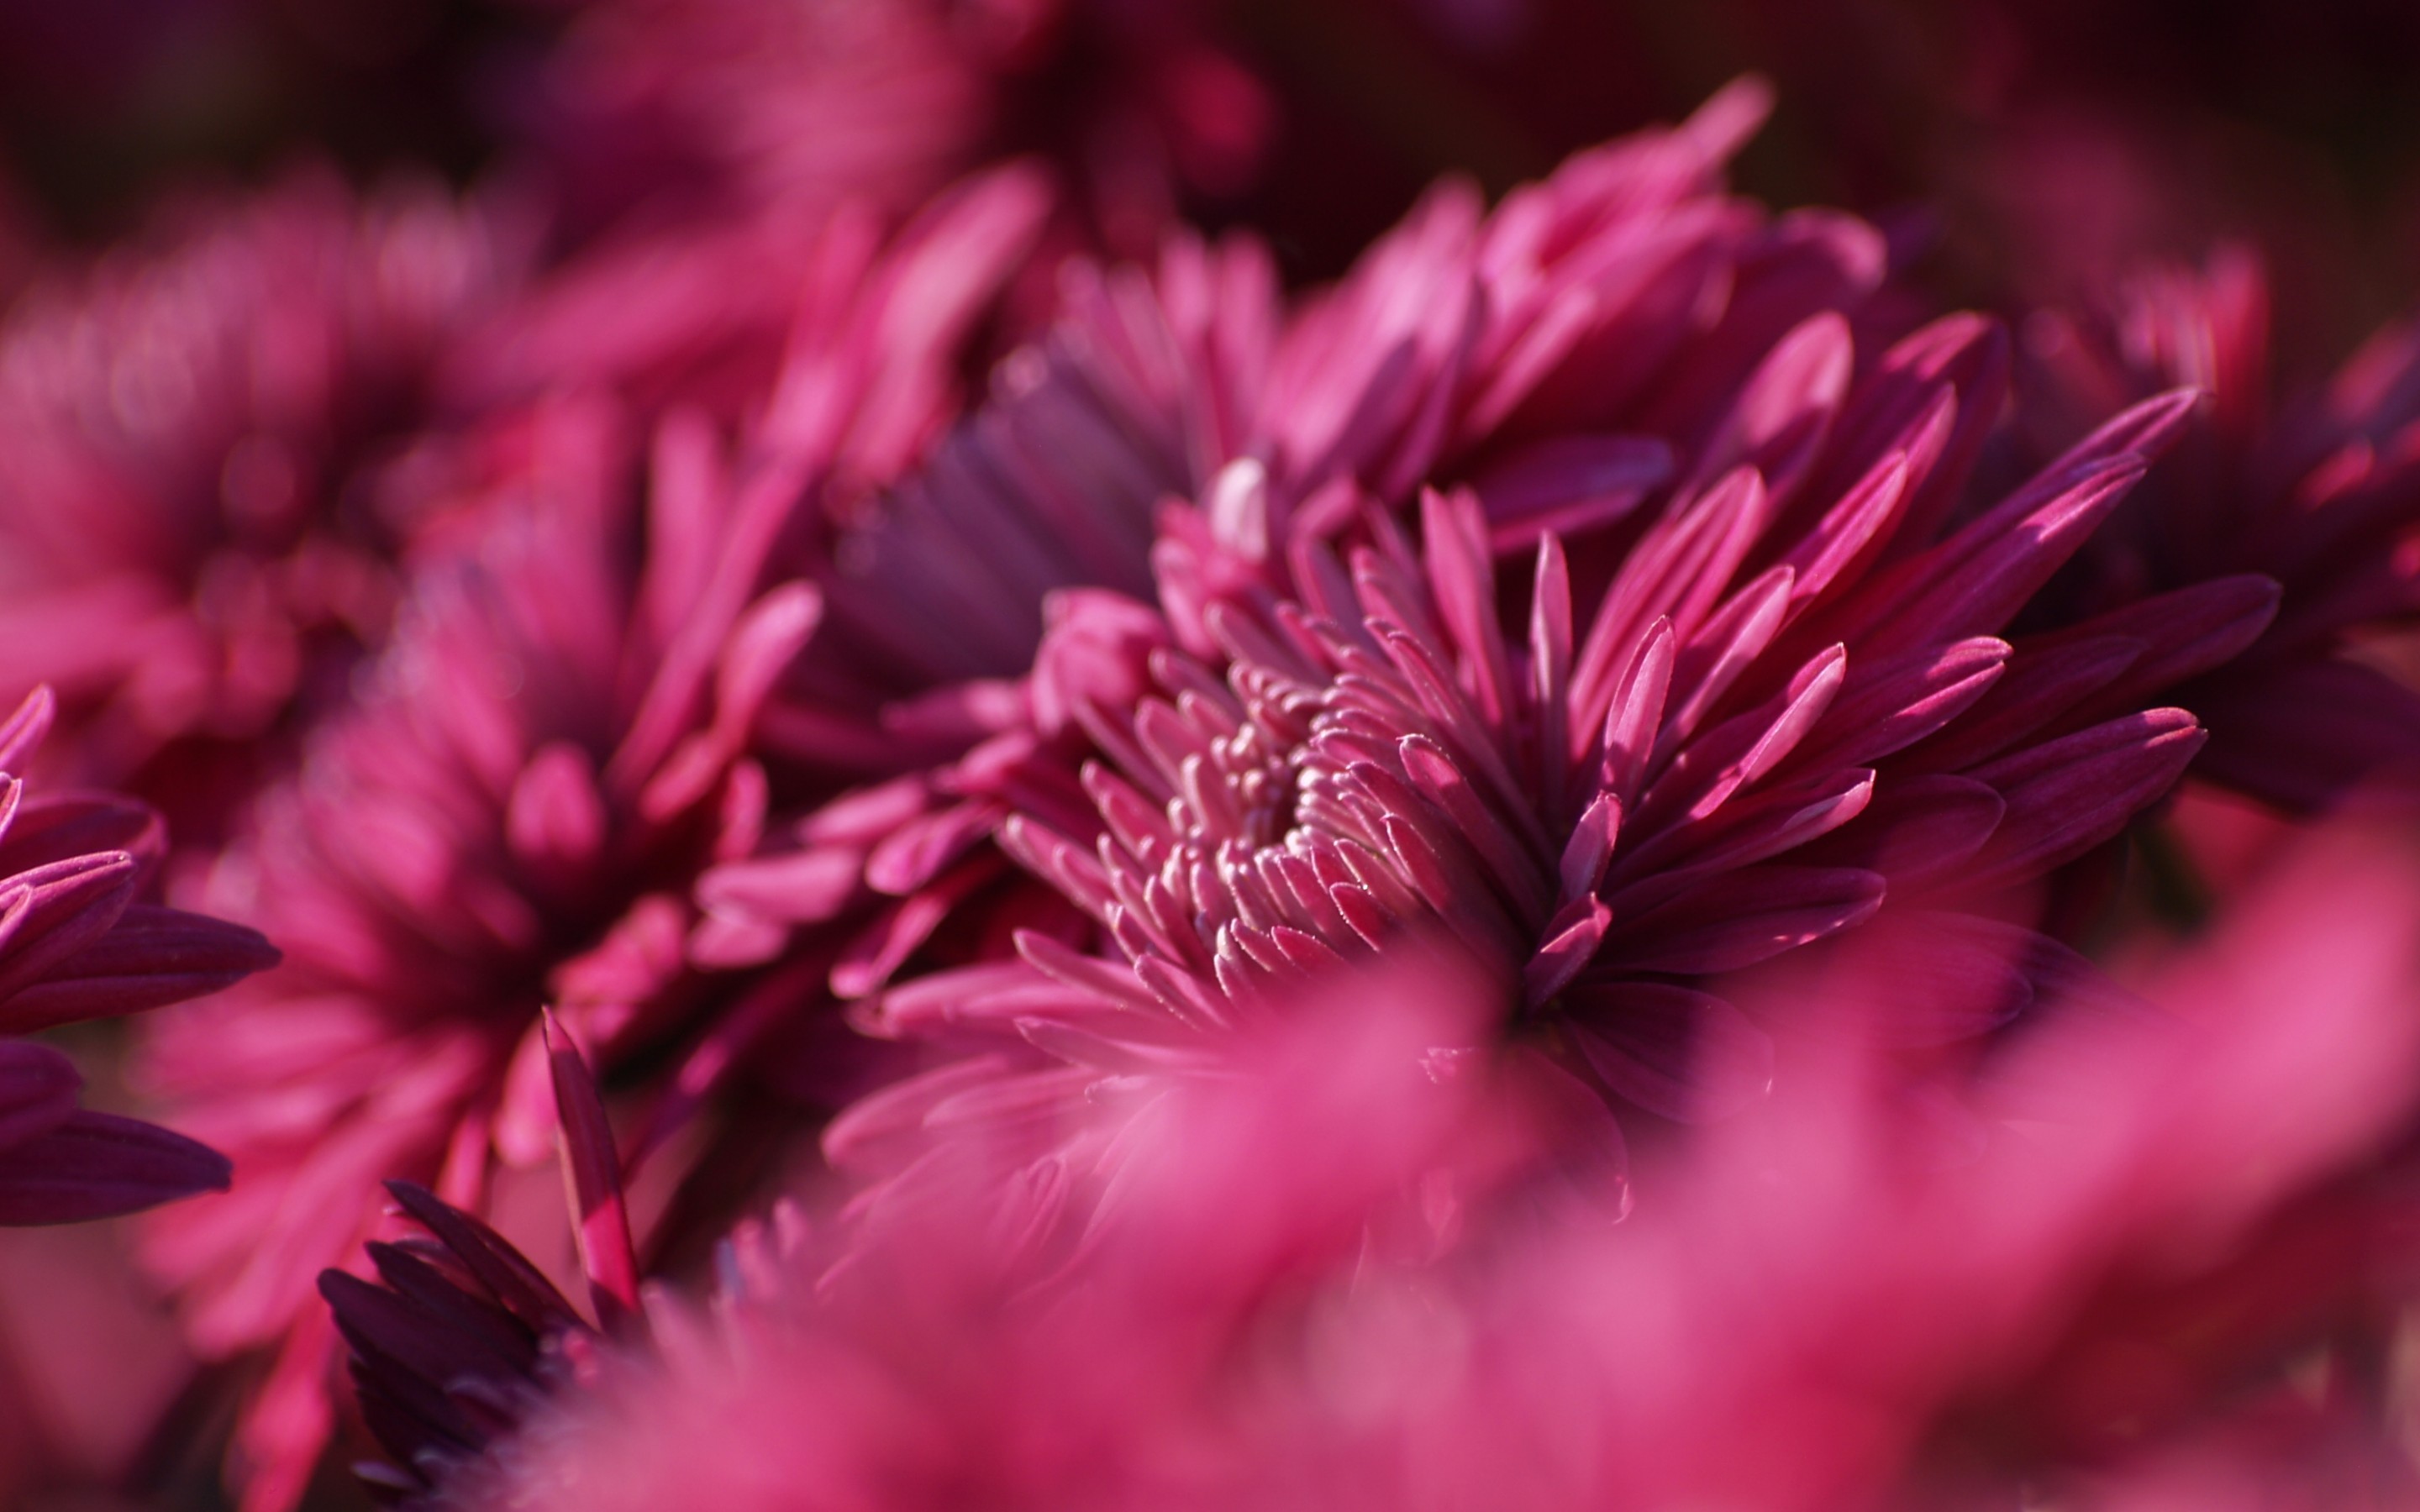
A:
(1775, 708)
(457, 1339)
(1569, 355)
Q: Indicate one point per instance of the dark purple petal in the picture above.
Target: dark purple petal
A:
(2067, 796)
(151, 956)
(520, 1286)
(53, 911)
(1919, 830)
(1741, 919)
(2183, 634)
(1678, 1053)
(400, 1357)
(98, 1166)
(2304, 733)
(58, 828)
(38, 1091)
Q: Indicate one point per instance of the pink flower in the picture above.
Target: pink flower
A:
(514, 809)
(1571, 354)
(2320, 490)
(543, 754)
(180, 423)
(1758, 685)
(75, 944)
(1774, 711)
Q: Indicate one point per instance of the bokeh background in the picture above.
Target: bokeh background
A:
(2027, 141)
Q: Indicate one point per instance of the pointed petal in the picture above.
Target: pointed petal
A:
(1742, 918)
(2067, 796)
(593, 1179)
(53, 911)
(1680, 1054)
(151, 956)
(97, 1165)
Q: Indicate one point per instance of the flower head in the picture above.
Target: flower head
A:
(187, 428)
(1774, 708)
(1570, 355)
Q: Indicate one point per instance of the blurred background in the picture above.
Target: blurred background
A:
(2024, 143)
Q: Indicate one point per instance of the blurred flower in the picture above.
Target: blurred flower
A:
(514, 809)
(540, 758)
(2319, 491)
(182, 424)
(725, 105)
(1280, 1310)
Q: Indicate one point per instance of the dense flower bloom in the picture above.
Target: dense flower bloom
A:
(1768, 715)
(2116, 1292)
(185, 428)
(1758, 685)
(1571, 354)
(2320, 490)
(1128, 842)
(74, 944)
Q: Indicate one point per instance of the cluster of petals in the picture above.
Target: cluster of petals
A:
(75, 944)
(1567, 354)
